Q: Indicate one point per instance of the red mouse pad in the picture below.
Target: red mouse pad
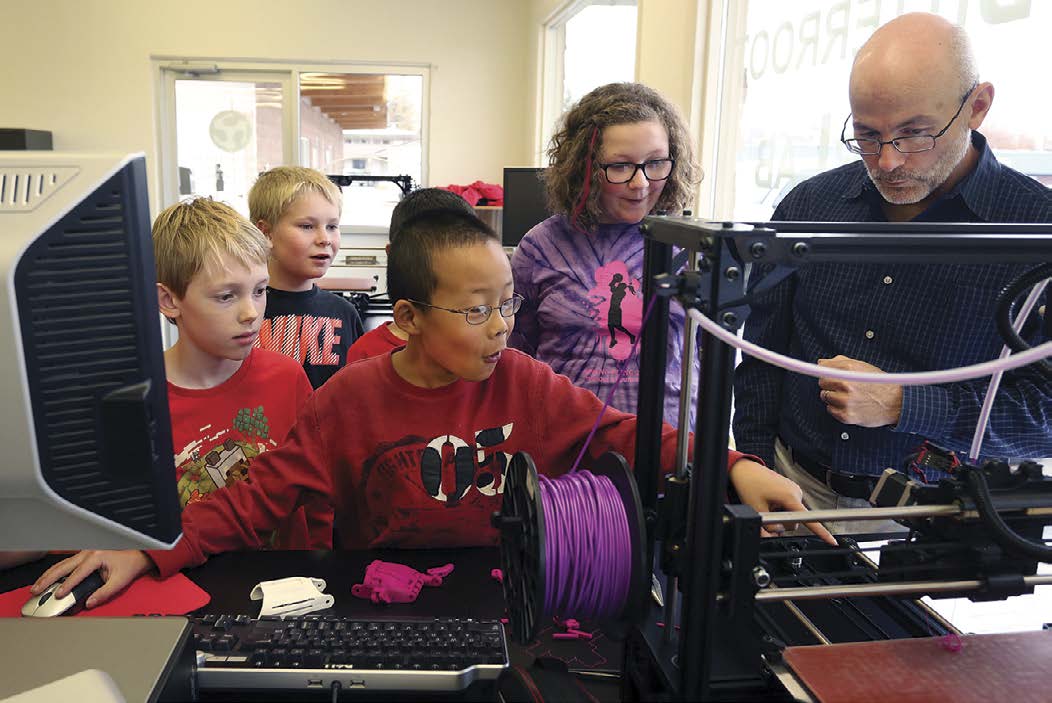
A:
(147, 595)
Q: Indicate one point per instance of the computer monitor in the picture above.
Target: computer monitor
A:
(525, 204)
(85, 433)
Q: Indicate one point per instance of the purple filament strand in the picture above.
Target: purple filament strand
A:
(588, 549)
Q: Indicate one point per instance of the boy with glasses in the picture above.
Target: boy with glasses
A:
(411, 446)
(916, 104)
(389, 336)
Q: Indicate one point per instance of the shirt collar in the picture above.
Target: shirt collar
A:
(975, 187)
(856, 183)
(970, 188)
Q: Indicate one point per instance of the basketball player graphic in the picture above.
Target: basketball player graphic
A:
(613, 317)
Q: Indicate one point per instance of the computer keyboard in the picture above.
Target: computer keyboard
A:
(314, 651)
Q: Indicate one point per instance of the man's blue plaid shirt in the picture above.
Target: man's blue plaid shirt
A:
(898, 318)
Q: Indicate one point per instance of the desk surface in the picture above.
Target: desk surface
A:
(468, 592)
(228, 578)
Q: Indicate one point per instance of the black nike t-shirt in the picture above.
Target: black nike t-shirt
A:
(315, 327)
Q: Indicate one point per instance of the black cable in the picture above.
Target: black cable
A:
(1006, 299)
(335, 690)
(1002, 534)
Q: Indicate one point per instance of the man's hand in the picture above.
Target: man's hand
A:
(862, 404)
(118, 569)
(764, 490)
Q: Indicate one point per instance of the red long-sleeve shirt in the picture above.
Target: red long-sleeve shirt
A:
(374, 342)
(408, 466)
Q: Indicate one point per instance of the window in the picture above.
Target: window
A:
(784, 90)
(222, 124)
(373, 121)
(588, 43)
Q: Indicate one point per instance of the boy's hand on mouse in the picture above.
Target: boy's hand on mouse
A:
(117, 568)
(765, 490)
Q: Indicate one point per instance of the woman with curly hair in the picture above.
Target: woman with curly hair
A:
(619, 154)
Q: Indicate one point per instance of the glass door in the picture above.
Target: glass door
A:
(223, 129)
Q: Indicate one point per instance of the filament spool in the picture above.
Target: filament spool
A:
(525, 524)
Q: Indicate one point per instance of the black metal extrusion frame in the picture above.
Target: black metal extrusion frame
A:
(404, 183)
(717, 595)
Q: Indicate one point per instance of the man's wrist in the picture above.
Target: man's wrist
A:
(926, 410)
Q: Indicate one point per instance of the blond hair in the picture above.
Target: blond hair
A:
(275, 190)
(196, 233)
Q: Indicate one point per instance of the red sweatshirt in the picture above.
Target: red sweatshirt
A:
(408, 466)
(218, 432)
(374, 342)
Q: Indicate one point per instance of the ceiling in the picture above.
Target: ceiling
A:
(352, 100)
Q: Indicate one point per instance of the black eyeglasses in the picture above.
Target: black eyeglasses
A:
(904, 145)
(479, 314)
(624, 171)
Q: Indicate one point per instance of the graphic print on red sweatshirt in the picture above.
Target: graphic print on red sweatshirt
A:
(454, 481)
(219, 456)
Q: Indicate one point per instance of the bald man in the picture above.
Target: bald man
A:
(916, 106)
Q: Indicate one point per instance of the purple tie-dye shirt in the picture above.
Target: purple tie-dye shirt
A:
(584, 308)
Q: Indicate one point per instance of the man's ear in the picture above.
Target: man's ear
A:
(264, 227)
(407, 317)
(167, 302)
(981, 102)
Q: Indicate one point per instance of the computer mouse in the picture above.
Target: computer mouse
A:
(46, 605)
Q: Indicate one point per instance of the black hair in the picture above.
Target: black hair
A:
(425, 200)
(410, 265)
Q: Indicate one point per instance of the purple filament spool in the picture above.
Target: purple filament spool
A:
(572, 546)
(588, 550)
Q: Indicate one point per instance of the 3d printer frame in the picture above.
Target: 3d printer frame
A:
(404, 183)
(719, 545)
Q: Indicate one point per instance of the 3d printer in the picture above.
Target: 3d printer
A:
(748, 604)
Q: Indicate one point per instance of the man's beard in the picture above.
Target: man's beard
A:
(919, 185)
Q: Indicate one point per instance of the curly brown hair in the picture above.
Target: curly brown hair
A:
(579, 139)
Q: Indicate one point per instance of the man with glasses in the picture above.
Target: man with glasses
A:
(916, 104)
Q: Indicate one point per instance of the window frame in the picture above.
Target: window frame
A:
(553, 52)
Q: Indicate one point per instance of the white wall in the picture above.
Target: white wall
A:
(81, 68)
(665, 48)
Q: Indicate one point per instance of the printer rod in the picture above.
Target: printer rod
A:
(884, 589)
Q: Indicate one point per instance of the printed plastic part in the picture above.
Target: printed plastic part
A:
(388, 582)
(295, 595)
